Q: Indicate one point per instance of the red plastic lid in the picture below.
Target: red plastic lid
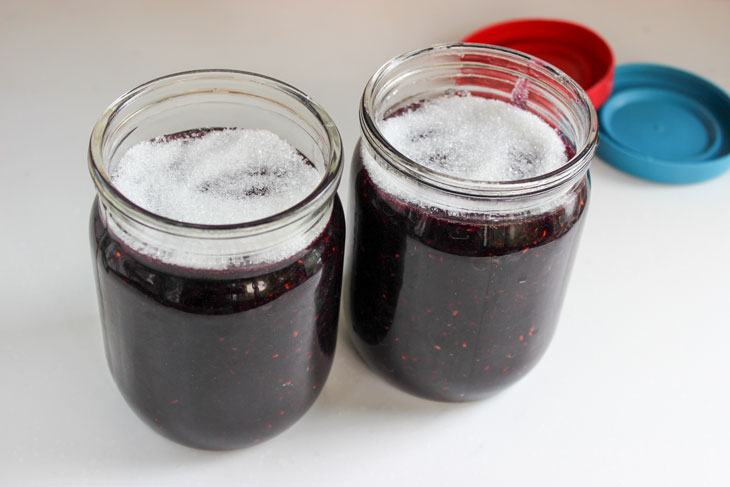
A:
(576, 50)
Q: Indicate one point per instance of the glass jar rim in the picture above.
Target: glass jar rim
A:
(315, 199)
(576, 165)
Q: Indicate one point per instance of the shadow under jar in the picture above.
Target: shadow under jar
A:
(457, 283)
(218, 336)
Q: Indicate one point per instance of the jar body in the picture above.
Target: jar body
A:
(219, 359)
(456, 309)
(456, 290)
(218, 336)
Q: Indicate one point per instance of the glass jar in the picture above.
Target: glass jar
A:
(218, 336)
(457, 284)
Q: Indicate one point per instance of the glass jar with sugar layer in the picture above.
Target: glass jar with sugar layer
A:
(218, 335)
(466, 223)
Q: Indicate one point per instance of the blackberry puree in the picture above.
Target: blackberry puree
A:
(455, 308)
(219, 359)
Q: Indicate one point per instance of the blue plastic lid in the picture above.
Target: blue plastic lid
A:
(665, 124)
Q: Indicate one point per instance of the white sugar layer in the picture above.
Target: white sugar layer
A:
(220, 177)
(476, 138)
(216, 177)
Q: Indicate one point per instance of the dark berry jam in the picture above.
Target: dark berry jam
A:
(456, 308)
(219, 359)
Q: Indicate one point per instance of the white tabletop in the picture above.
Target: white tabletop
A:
(633, 390)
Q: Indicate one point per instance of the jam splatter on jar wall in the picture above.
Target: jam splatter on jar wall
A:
(457, 284)
(218, 336)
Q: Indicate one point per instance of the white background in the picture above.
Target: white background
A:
(633, 391)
